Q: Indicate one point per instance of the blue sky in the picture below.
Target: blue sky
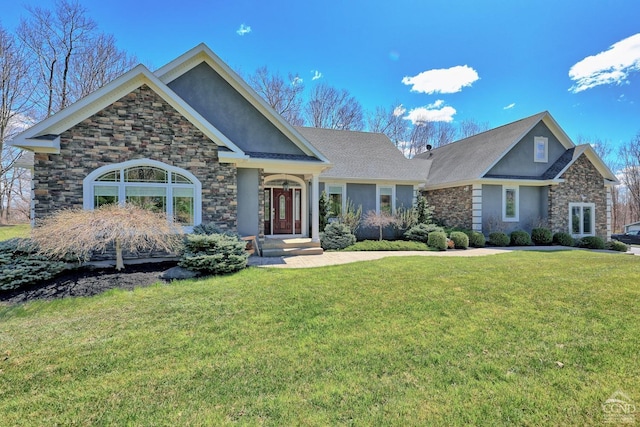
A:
(492, 61)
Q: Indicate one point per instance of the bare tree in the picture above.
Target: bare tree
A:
(331, 108)
(421, 136)
(389, 122)
(445, 133)
(72, 58)
(470, 127)
(629, 155)
(100, 64)
(15, 94)
(284, 96)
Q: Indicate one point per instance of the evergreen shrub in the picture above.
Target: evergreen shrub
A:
(438, 240)
(336, 236)
(592, 242)
(460, 240)
(520, 238)
(476, 239)
(615, 245)
(214, 253)
(20, 265)
(541, 236)
(420, 232)
(563, 239)
(498, 238)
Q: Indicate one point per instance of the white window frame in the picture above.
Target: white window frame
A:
(516, 189)
(343, 193)
(393, 197)
(541, 140)
(593, 219)
(89, 184)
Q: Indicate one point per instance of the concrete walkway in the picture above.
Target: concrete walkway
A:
(335, 258)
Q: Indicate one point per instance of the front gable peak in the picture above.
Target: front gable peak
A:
(45, 136)
(192, 61)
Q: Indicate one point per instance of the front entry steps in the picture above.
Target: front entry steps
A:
(273, 247)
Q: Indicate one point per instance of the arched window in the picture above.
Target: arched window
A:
(147, 183)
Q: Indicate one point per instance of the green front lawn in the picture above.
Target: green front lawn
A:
(10, 231)
(400, 341)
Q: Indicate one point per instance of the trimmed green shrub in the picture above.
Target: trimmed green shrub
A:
(214, 253)
(420, 232)
(336, 236)
(498, 238)
(476, 239)
(460, 240)
(541, 236)
(438, 240)
(615, 245)
(520, 238)
(387, 245)
(592, 242)
(20, 265)
(563, 239)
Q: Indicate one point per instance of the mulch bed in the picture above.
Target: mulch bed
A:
(89, 281)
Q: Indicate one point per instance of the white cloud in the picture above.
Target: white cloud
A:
(244, 29)
(609, 67)
(443, 80)
(432, 113)
(399, 110)
(510, 106)
(316, 75)
(296, 81)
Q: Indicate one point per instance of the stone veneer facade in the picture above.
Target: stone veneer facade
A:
(452, 206)
(141, 125)
(581, 179)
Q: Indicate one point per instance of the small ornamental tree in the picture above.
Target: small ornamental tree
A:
(351, 216)
(323, 210)
(81, 232)
(379, 220)
(424, 212)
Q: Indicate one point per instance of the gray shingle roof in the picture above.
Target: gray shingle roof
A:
(364, 156)
(469, 158)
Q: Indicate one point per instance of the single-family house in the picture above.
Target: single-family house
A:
(519, 176)
(192, 139)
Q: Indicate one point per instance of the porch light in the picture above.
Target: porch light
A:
(285, 184)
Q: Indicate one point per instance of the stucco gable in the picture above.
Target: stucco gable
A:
(245, 97)
(226, 109)
(519, 159)
(506, 152)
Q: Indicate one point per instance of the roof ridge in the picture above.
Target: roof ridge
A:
(340, 130)
(492, 130)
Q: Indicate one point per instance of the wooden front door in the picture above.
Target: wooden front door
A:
(282, 211)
